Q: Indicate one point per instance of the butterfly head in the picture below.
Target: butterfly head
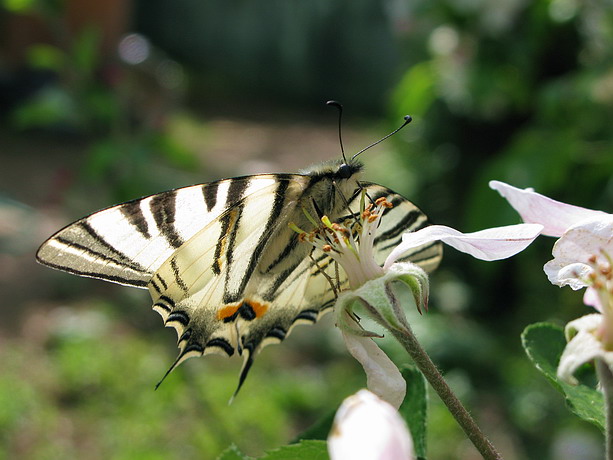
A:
(337, 170)
(346, 170)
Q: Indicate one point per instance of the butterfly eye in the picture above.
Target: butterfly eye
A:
(345, 171)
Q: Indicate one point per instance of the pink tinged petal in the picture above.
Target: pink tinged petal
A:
(592, 299)
(556, 217)
(490, 244)
(382, 376)
(366, 427)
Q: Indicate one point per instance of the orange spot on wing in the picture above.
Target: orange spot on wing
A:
(227, 311)
(258, 308)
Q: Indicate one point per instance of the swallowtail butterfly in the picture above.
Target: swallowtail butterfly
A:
(219, 260)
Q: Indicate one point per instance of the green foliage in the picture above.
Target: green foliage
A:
(304, 450)
(414, 408)
(544, 344)
(232, 453)
(90, 386)
(287, 50)
(416, 91)
(44, 56)
(18, 6)
(320, 429)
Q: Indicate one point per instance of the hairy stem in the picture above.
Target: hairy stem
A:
(606, 381)
(427, 367)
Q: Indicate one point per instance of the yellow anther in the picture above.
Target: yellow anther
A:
(326, 221)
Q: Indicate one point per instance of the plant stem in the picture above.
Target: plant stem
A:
(427, 367)
(606, 381)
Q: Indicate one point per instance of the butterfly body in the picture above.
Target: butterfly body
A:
(220, 261)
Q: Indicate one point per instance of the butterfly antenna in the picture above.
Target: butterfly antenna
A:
(339, 106)
(407, 120)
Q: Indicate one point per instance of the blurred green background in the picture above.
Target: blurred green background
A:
(106, 101)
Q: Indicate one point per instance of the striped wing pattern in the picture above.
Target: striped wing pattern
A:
(219, 260)
(127, 243)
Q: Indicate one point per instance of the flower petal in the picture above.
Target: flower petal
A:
(535, 208)
(368, 427)
(589, 238)
(586, 238)
(582, 347)
(489, 244)
(382, 376)
(592, 299)
(566, 273)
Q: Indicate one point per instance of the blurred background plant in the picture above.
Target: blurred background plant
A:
(106, 101)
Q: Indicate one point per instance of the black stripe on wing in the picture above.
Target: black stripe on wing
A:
(133, 213)
(209, 192)
(229, 225)
(163, 210)
(115, 254)
(108, 277)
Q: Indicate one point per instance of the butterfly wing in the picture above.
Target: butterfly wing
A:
(127, 243)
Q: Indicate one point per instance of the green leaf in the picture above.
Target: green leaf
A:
(232, 453)
(544, 344)
(85, 54)
(18, 6)
(320, 429)
(415, 407)
(304, 450)
(48, 57)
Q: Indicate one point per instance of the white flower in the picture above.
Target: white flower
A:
(370, 284)
(367, 428)
(582, 258)
(583, 346)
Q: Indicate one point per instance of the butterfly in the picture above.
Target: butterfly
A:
(220, 261)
